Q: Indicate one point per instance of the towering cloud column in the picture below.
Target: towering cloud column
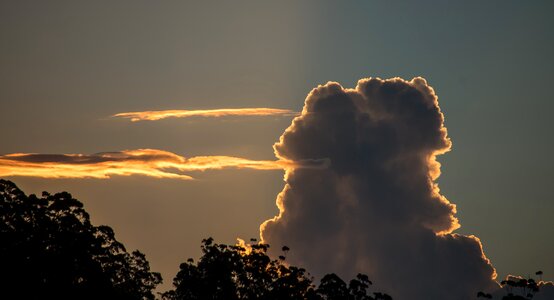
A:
(376, 208)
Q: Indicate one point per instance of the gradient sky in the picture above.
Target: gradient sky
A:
(68, 66)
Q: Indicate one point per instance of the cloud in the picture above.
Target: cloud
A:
(377, 208)
(148, 162)
(162, 114)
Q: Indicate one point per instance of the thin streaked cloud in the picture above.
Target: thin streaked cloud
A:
(147, 162)
(154, 115)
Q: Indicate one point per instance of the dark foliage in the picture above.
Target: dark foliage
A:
(526, 288)
(246, 272)
(50, 250)
(517, 288)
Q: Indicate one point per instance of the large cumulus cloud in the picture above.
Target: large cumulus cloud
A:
(377, 208)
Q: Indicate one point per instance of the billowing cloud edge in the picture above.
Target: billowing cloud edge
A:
(367, 98)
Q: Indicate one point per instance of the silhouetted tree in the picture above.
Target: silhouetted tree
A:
(516, 288)
(539, 273)
(50, 250)
(247, 272)
(358, 287)
(332, 287)
(521, 288)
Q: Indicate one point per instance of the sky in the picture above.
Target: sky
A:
(69, 66)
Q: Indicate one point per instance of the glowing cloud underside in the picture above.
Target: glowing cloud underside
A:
(147, 162)
(162, 114)
(377, 208)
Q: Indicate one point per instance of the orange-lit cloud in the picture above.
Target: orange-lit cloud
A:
(162, 114)
(148, 162)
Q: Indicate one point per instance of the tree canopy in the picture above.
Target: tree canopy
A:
(240, 272)
(50, 250)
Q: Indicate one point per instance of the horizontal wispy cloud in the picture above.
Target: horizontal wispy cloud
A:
(148, 162)
(153, 115)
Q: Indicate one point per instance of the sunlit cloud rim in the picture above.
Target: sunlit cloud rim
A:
(154, 115)
(147, 162)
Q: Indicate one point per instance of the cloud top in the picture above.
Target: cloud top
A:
(377, 208)
(222, 112)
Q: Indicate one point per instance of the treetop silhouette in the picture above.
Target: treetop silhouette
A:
(50, 250)
(237, 272)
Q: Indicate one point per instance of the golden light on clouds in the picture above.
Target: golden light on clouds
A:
(147, 162)
(162, 114)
